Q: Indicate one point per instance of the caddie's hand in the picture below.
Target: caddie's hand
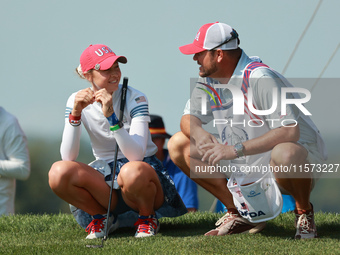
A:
(203, 137)
(83, 98)
(105, 98)
(216, 152)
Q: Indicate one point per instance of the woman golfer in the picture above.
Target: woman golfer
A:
(142, 185)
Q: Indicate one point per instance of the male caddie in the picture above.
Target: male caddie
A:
(260, 134)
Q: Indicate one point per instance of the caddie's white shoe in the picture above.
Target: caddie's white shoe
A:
(232, 223)
(305, 225)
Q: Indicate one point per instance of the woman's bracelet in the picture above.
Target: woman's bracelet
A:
(74, 120)
(113, 120)
(117, 126)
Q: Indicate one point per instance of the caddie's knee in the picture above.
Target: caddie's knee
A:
(286, 154)
(176, 146)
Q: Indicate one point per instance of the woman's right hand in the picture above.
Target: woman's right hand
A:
(83, 99)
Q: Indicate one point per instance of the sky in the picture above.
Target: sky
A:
(41, 42)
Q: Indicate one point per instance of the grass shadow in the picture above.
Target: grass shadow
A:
(197, 224)
(283, 226)
(190, 224)
(197, 227)
(329, 230)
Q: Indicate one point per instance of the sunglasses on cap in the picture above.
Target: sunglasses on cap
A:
(234, 35)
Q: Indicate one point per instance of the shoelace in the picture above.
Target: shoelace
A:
(144, 225)
(96, 225)
(223, 219)
(304, 222)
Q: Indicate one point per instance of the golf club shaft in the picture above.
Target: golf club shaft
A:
(113, 171)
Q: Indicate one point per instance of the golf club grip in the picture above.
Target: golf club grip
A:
(123, 98)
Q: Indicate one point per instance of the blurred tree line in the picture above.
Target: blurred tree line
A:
(35, 196)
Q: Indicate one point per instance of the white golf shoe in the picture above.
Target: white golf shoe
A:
(96, 229)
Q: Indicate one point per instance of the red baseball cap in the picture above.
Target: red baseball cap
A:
(99, 57)
(210, 36)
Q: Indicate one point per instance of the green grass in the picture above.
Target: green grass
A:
(60, 234)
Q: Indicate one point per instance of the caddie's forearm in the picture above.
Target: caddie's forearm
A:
(270, 139)
(190, 124)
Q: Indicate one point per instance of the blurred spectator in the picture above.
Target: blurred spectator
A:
(186, 187)
(288, 203)
(14, 160)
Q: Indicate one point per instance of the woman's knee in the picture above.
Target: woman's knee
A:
(57, 173)
(136, 173)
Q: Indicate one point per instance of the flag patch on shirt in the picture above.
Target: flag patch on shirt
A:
(140, 99)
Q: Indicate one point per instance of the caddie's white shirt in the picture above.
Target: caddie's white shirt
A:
(102, 138)
(14, 159)
(262, 81)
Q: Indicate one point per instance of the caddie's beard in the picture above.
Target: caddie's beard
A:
(208, 70)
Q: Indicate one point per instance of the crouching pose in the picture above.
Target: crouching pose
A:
(234, 92)
(142, 187)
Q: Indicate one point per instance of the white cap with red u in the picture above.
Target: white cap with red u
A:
(212, 36)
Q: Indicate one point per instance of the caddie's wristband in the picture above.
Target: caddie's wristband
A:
(113, 120)
(117, 126)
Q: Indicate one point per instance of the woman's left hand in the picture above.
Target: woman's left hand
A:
(216, 152)
(105, 98)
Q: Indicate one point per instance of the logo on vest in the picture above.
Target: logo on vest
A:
(227, 137)
(252, 193)
(251, 214)
(244, 206)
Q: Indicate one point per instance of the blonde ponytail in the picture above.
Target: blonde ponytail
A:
(79, 71)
